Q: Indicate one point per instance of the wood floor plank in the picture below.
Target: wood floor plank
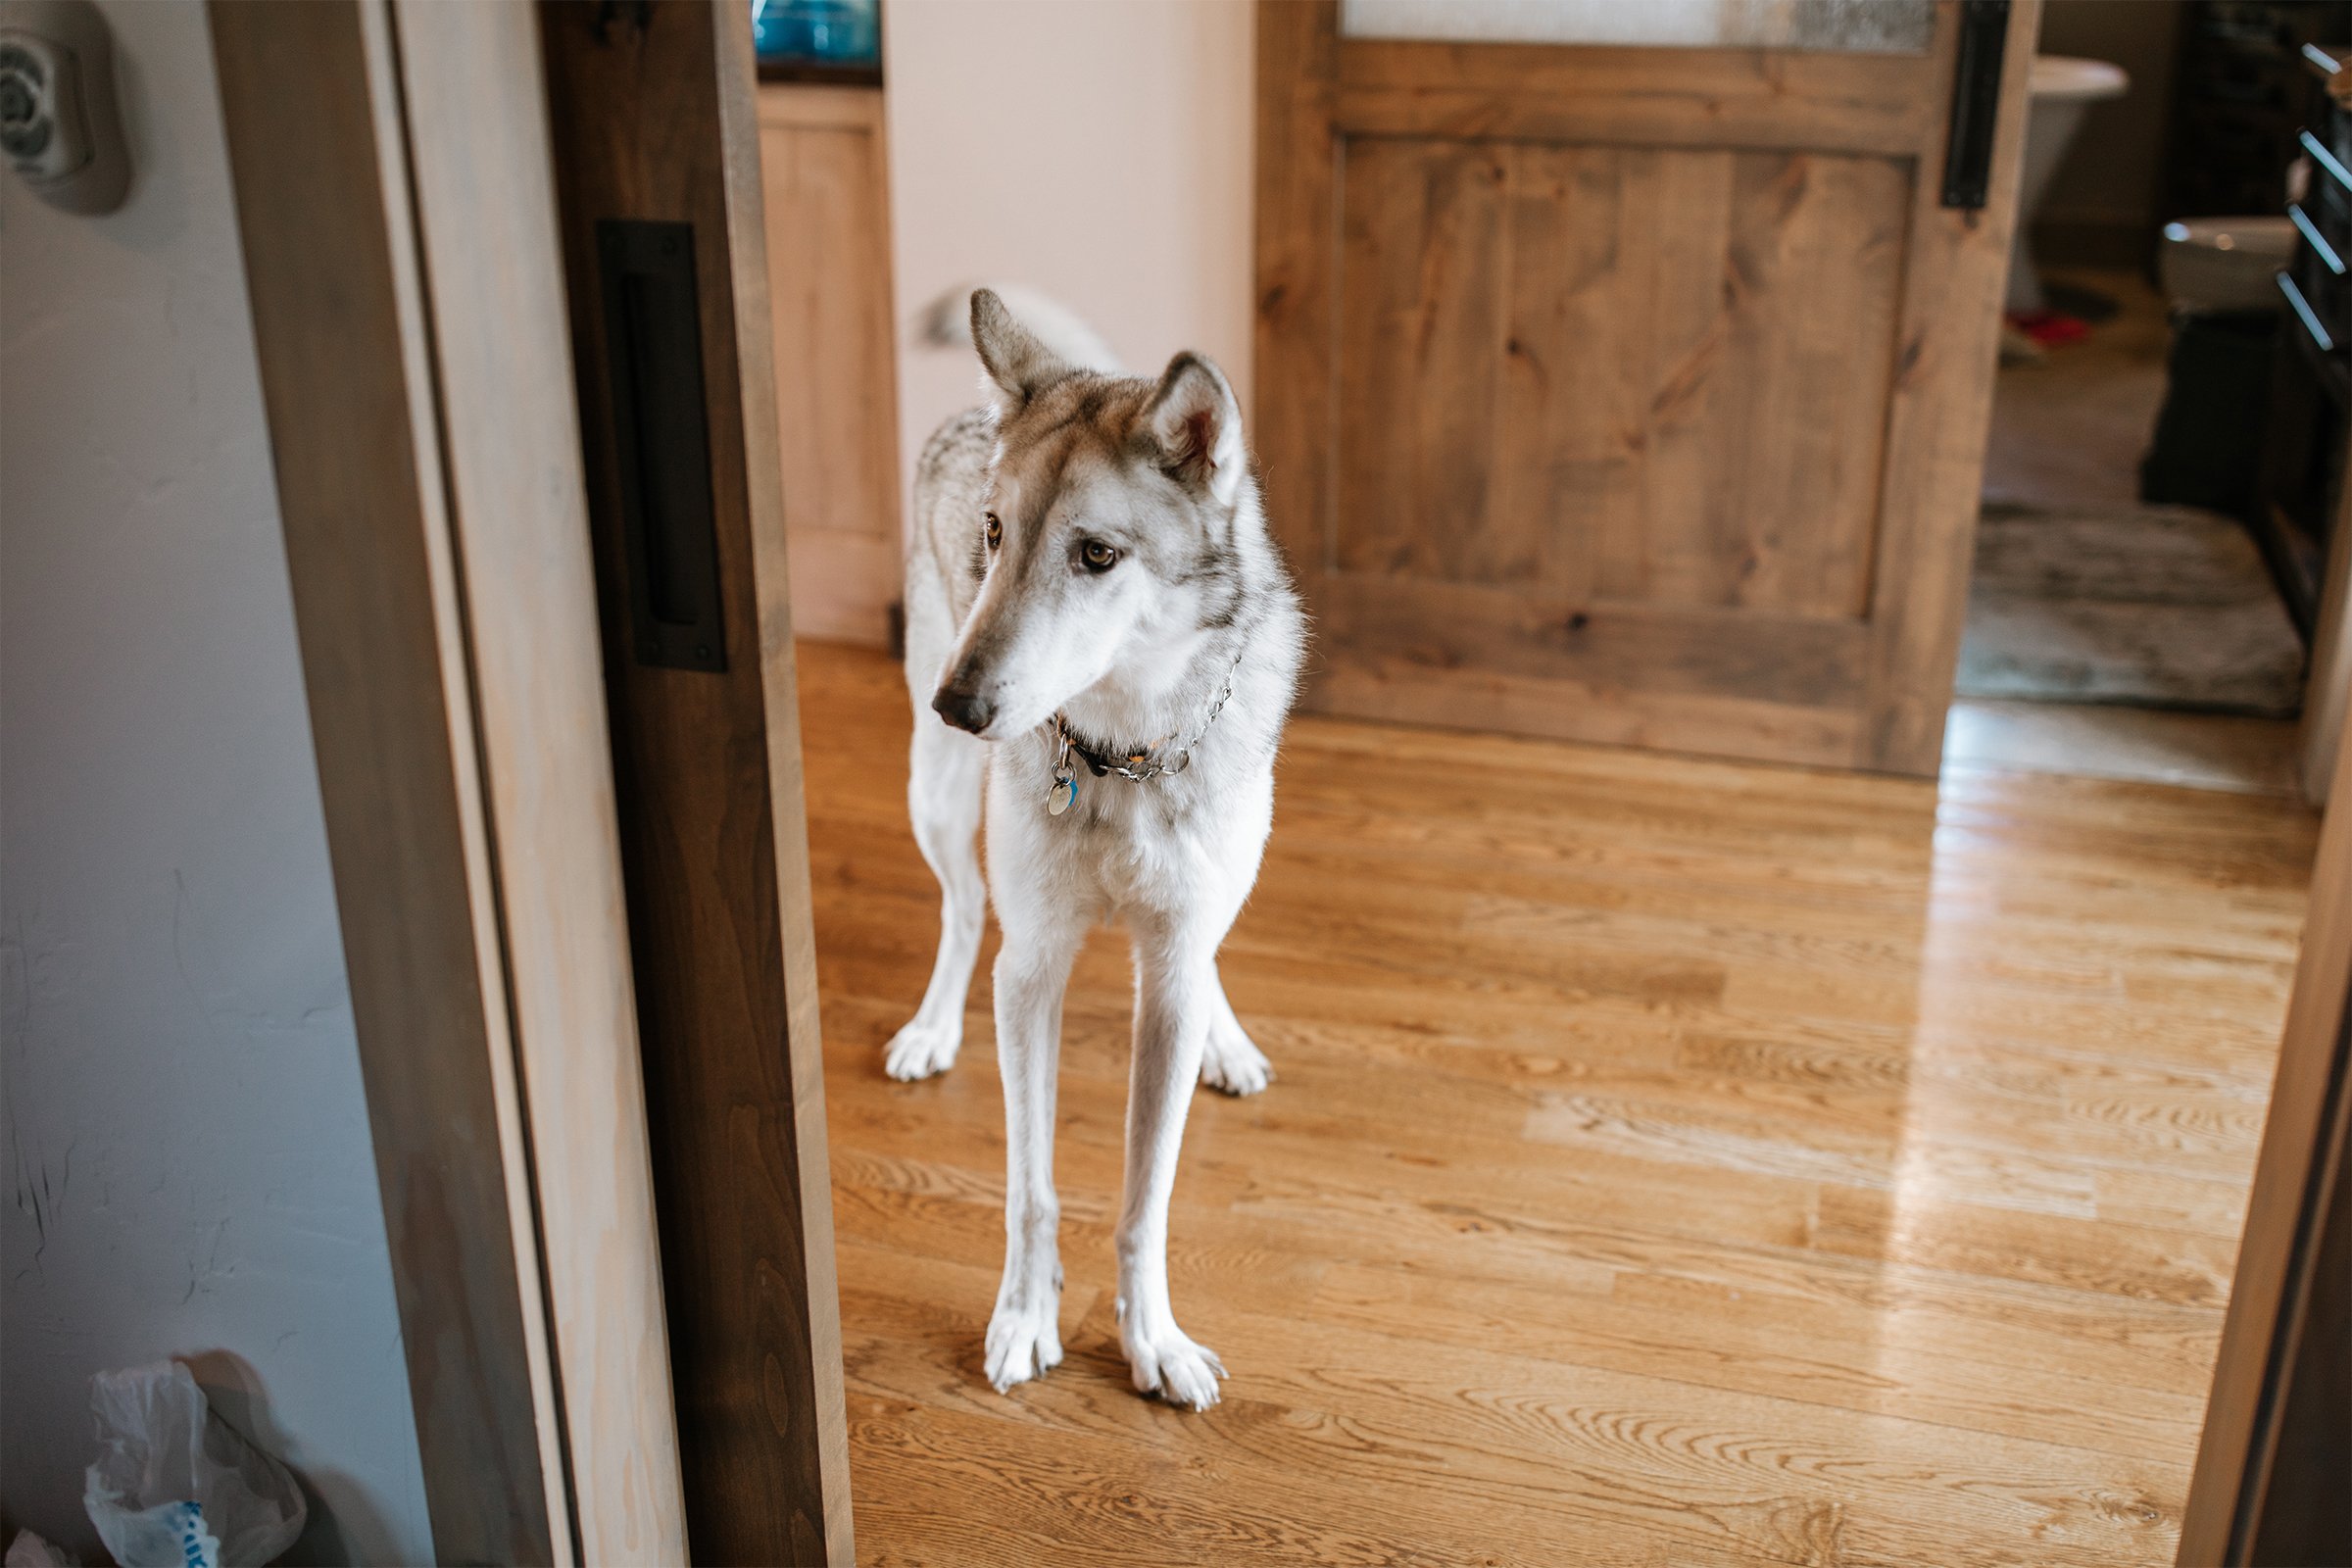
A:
(1749, 1344)
(1542, 1455)
(1669, 1162)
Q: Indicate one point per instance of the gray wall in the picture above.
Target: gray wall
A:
(186, 1140)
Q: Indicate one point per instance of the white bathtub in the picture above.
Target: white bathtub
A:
(2061, 90)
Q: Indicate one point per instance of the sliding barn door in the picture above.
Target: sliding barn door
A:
(655, 144)
(1636, 391)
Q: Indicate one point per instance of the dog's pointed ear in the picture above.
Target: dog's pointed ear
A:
(1017, 359)
(1194, 424)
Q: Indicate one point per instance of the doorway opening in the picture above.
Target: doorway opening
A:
(2167, 434)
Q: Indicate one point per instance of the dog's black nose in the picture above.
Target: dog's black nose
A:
(963, 710)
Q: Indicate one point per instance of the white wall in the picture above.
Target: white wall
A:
(185, 1139)
(1099, 152)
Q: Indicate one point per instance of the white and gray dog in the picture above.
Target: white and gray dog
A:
(1095, 607)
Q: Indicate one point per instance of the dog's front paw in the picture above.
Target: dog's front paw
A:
(1166, 1362)
(1023, 1342)
(1231, 1062)
(921, 1049)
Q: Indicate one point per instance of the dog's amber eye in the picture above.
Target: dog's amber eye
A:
(1096, 556)
(996, 532)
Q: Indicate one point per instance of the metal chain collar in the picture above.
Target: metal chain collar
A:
(1141, 767)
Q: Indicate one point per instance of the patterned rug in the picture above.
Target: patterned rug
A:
(2162, 607)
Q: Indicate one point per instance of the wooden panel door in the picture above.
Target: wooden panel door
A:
(1630, 393)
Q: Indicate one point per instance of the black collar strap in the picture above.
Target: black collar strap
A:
(1139, 765)
(1142, 764)
(1099, 761)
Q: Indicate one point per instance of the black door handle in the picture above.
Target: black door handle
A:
(661, 436)
(1975, 102)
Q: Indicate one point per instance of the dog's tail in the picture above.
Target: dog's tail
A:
(947, 322)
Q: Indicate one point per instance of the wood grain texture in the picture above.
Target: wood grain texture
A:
(1938, 421)
(1809, 100)
(1669, 1162)
(1612, 330)
(657, 120)
(826, 1427)
(1296, 244)
(827, 170)
(2302, 1517)
(312, 104)
(492, 269)
(1544, 376)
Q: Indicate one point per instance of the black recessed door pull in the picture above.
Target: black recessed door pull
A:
(1975, 102)
(661, 441)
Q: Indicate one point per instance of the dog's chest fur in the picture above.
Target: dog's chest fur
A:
(1160, 845)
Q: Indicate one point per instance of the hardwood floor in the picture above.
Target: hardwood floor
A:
(2156, 746)
(1671, 1162)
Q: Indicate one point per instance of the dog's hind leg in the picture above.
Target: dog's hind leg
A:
(1231, 1060)
(1175, 996)
(943, 796)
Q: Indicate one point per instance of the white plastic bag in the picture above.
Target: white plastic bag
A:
(175, 1487)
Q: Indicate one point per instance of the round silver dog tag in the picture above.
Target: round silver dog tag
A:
(1060, 797)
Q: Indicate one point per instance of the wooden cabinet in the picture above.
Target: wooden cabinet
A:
(825, 168)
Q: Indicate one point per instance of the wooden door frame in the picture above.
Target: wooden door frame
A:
(847, 572)
(2327, 691)
(2303, 1137)
(393, 185)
